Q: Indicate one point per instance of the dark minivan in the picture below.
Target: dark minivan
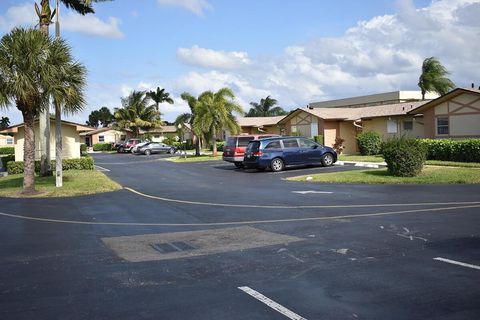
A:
(234, 148)
(277, 153)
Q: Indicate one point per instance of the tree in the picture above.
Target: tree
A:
(158, 97)
(4, 122)
(265, 108)
(102, 117)
(33, 68)
(189, 118)
(433, 78)
(136, 114)
(214, 112)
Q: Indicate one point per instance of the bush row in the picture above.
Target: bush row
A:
(102, 147)
(7, 159)
(404, 157)
(369, 143)
(467, 150)
(7, 150)
(84, 163)
(319, 139)
(220, 145)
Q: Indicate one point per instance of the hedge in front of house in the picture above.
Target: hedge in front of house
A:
(319, 139)
(369, 143)
(7, 159)
(404, 157)
(102, 147)
(7, 150)
(467, 150)
(83, 148)
(83, 163)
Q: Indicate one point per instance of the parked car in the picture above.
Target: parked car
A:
(138, 145)
(128, 145)
(277, 153)
(156, 147)
(235, 146)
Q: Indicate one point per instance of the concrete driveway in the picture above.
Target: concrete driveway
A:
(209, 241)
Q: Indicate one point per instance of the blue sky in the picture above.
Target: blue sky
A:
(297, 51)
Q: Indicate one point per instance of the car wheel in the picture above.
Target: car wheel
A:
(238, 164)
(148, 152)
(327, 159)
(121, 149)
(277, 165)
(171, 151)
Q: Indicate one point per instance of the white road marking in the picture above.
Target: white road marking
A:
(312, 191)
(272, 304)
(457, 263)
(101, 168)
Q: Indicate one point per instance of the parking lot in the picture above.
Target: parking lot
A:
(210, 241)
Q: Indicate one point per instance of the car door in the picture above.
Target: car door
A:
(159, 147)
(291, 151)
(310, 152)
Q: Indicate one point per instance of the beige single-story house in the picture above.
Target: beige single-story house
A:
(388, 120)
(104, 135)
(169, 131)
(6, 140)
(252, 125)
(454, 115)
(71, 139)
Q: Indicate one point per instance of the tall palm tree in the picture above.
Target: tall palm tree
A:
(189, 118)
(214, 112)
(433, 78)
(136, 114)
(34, 67)
(265, 108)
(45, 16)
(159, 96)
(4, 122)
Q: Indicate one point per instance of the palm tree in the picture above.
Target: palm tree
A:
(189, 118)
(265, 108)
(433, 78)
(4, 122)
(214, 112)
(34, 67)
(135, 114)
(158, 97)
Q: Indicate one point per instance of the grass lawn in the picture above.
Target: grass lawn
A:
(360, 158)
(379, 158)
(75, 183)
(430, 175)
(192, 158)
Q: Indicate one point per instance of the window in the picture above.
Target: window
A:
(101, 138)
(290, 143)
(442, 126)
(391, 126)
(305, 143)
(243, 141)
(9, 140)
(273, 145)
(407, 125)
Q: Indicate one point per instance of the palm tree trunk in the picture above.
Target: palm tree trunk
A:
(214, 138)
(29, 154)
(58, 146)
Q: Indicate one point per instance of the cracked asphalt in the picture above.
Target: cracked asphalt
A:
(364, 251)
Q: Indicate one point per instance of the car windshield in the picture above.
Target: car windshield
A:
(243, 141)
(253, 146)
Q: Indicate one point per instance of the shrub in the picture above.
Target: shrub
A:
(83, 148)
(404, 157)
(319, 139)
(6, 159)
(338, 145)
(102, 147)
(7, 150)
(369, 143)
(83, 163)
(467, 150)
(219, 146)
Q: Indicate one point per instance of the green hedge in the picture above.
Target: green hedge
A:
(220, 145)
(84, 163)
(467, 150)
(102, 147)
(369, 143)
(404, 157)
(6, 159)
(7, 150)
(83, 148)
(319, 139)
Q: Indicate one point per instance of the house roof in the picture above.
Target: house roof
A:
(258, 121)
(452, 94)
(78, 126)
(352, 114)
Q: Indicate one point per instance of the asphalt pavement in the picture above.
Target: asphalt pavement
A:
(209, 241)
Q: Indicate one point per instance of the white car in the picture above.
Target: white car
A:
(135, 148)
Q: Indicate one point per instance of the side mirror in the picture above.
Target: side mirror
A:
(314, 146)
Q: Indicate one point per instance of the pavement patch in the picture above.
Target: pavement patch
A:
(166, 246)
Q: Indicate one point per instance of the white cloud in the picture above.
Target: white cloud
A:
(24, 15)
(196, 6)
(209, 58)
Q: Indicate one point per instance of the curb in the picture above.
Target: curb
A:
(373, 165)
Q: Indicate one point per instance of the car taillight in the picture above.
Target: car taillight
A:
(257, 154)
(237, 151)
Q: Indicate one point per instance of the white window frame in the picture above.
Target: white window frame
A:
(392, 126)
(437, 126)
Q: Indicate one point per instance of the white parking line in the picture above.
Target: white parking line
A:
(457, 263)
(272, 304)
(101, 168)
(312, 191)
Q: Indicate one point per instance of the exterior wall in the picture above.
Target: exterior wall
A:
(70, 140)
(6, 141)
(348, 132)
(380, 125)
(301, 123)
(463, 114)
(110, 136)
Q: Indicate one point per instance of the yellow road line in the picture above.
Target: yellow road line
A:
(347, 216)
